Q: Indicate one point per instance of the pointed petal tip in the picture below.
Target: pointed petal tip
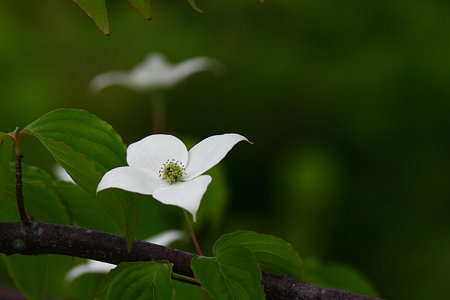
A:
(187, 194)
(209, 152)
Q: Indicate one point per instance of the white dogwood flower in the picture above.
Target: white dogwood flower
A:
(160, 165)
(154, 73)
(165, 238)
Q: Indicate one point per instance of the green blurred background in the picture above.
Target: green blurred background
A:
(347, 103)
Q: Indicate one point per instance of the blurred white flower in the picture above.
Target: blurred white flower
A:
(165, 238)
(61, 174)
(155, 73)
(160, 165)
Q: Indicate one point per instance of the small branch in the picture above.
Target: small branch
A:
(43, 238)
(19, 194)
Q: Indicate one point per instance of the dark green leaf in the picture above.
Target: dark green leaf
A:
(28, 273)
(84, 209)
(87, 147)
(185, 291)
(137, 280)
(232, 274)
(96, 10)
(274, 254)
(143, 6)
(193, 4)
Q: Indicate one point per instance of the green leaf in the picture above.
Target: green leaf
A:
(193, 4)
(41, 202)
(27, 273)
(87, 147)
(232, 274)
(6, 150)
(143, 6)
(137, 280)
(338, 276)
(96, 10)
(185, 291)
(274, 254)
(84, 209)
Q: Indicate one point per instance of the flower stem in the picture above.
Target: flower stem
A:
(191, 231)
(158, 113)
(185, 279)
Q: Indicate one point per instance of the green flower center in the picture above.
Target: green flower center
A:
(172, 171)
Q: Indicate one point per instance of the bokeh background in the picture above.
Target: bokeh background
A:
(347, 104)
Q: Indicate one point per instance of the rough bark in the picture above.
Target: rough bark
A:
(44, 238)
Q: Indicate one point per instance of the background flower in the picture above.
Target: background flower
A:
(155, 73)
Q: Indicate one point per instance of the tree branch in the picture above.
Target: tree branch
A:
(44, 238)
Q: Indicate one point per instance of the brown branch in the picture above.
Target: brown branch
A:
(19, 195)
(44, 238)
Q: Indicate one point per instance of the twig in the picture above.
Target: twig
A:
(19, 194)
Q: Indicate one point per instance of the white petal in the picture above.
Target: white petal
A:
(61, 174)
(151, 73)
(167, 237)
(153, 151)
(210, 152)
(186, 195)
(91, 266)
(132, 179)
(104, 80)
(188, 67)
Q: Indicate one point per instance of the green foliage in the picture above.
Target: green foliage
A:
(143, 6)
(273, 254)
(28, 273)
(193, 4)
(213, 206)
(41, 201)
(88, 147)
(185, 291)
(96, 10)
(140, 280)
(84, 209)
(6, 149)
(232, 274)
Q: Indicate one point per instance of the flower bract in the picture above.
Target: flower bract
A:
(154, 73)
(160, 165)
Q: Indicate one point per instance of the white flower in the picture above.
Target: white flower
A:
(154, 73)
(160, 165)
(92, 266)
